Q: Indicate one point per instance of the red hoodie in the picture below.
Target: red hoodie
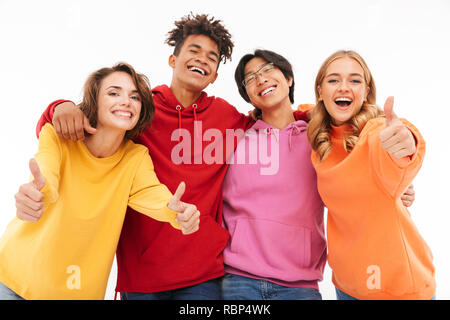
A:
(151, 255)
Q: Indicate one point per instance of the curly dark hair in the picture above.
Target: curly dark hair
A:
(201, 24)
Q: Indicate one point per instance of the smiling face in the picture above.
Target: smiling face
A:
(195, 66)
(269, 87)
(119, 103)
(343, 89)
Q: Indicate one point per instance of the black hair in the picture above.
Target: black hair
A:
(278, 61)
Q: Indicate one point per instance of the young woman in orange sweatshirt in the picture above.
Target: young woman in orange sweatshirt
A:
(365, 158)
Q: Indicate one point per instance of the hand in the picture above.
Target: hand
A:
(188, 217)
(396, 137)
(29, 199)
(70, 122)
(409, 196)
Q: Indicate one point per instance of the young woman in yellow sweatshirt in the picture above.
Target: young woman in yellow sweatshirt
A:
(85, 187)
(365, 158)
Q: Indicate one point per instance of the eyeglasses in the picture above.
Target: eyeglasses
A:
(264, 70)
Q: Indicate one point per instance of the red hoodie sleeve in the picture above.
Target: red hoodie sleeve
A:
(301, 115)
(47, 116)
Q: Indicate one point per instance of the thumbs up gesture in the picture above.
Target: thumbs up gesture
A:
(395, 137)
(188, 216)
(29, 199)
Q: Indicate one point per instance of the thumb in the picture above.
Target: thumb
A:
(389, 110)
(87, 126)
(175, 203)
(39, 180)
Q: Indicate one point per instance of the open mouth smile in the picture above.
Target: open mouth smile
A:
(198, 70)
(267, 91)
(343, 102)
(124, 114)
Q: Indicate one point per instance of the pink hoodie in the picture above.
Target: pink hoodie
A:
(272, 208)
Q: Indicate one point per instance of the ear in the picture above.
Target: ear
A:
(172, 60)
(290, 80)
(319, 89)
(214, 79)
(367, 93)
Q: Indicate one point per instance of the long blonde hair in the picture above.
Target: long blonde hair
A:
(320, 125)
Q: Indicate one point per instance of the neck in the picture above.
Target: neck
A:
(185, 96)
(279, 117)
(105, 142)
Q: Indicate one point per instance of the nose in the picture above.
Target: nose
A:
(202, 58)
(260, 78)
(125, 101)
(343, 86)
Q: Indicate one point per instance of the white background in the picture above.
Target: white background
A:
(48, 48)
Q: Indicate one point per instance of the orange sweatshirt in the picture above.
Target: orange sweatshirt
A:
(375, 250)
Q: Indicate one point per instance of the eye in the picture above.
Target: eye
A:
(268, 69)
(137, 98)
(332, 81)
(249, 79)
(113, 94)
(356, 81)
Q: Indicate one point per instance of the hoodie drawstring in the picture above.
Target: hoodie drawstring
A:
(196, 132)
(197, 135)
(293, 130)
(179, 121)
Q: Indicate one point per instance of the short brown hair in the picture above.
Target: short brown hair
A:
(89, 105)
(201, 24)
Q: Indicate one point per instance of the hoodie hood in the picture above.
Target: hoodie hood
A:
(294, 128)
(165, 99)
(299, 125)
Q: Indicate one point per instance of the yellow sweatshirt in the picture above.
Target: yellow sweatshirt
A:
(375, 250)
(68, 253)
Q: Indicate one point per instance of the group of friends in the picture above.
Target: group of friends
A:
(104, 182)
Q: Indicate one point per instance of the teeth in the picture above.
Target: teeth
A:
(123, 113)
(343, 99)
(197, 69)
(267, 91)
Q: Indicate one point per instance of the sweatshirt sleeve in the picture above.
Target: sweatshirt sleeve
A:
(394, 174)
(49, 158)
(47, 116)
(148, 196)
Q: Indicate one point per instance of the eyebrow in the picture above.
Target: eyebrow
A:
(200, 47)
(119, 88)
(337, 75)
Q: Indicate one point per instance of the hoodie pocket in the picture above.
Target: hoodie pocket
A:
(276, 245)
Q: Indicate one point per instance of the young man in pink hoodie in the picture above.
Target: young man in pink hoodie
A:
(274, 212)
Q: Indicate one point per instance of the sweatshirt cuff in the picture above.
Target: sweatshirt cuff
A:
(171, 215)
(50, 194)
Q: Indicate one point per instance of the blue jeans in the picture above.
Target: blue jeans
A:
(340, 295)
(7, 294)
(236, 287)
(208, 290)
